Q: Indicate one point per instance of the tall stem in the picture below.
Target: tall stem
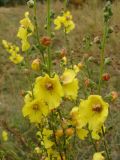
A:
(105, 144)
(49, 34)
(35, 20)
(102, 56)
(36, 28)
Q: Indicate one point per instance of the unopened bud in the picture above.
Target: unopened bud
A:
(46, 41)
(114, 95)
(36, 64)
(107, 61)
(59, 133)
(80, 65)
(63, 53)
(106, 76)
(96, 40)
(30, 3)
(69, 132)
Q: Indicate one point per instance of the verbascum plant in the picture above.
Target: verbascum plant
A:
(55, 103)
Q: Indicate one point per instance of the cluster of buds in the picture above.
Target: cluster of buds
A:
(68, 132)
(107, 11)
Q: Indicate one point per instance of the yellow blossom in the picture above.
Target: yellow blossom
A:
(4, 135)
(82, 133)
(16, 58)
(26, 29)
(10, 48)
(94, 110)
(70, 84)
(98, 156)
(64, 21)
(35, 110)
(46, 138)
(49, 89)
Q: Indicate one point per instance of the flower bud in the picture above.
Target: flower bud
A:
(4, 135)
(107, 61)
(80, 65)
(114, 95)
(91, 59)
(63, 53)
(110, 30)
(59, 133)
(37, 150)
(36, 65)
(46, 41)
(30, 3)
(64, 60)
(69, 132)
(96, 40)
(106, 76)
(87, 82)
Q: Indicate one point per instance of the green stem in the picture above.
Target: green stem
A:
(65, 4)
(49, 34)
(68, 49)
(35, 20)
(102, 56)
(37, 29)
(54, 136)
(92, 141)
(60, 116)
(105, 144)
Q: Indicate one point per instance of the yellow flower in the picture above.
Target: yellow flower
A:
(57, 22)
(82, 133)
(50, 90)
(94, 110)
(27, 24)
(22, 33)
(35, 110)
(98, 156)
(16, 58)
(10, 48)
(4, 135)
(64, 21)
(25, 30)
(25, 45)
(70, 84)
(46, 138)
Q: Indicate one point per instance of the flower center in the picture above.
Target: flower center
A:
(97, 108)
(49, 86)
(67, 18)
(35, 107)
